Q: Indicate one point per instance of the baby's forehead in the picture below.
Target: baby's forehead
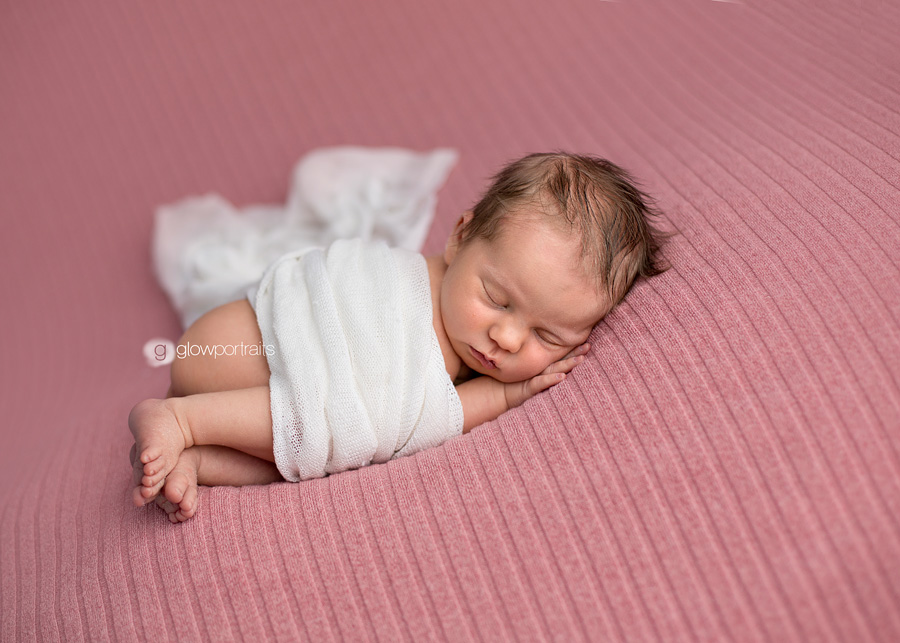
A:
(544, 211)
(572, 256)
(532, 216)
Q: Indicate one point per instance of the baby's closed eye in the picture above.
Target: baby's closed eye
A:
(494, 299)
(549, 338)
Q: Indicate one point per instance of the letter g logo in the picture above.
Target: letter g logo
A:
(159, 352)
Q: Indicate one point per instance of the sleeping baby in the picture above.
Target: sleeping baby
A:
(362, 353)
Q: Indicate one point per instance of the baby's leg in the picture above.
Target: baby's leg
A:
(221, 351)
(212, 466)
(162, 429)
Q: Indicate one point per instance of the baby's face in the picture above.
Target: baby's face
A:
(514, 305)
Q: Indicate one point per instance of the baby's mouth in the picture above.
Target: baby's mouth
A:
(487, 363)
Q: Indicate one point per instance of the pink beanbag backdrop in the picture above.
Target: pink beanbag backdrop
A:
(725, 465)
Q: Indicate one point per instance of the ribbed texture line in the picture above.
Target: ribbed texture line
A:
(724, 466)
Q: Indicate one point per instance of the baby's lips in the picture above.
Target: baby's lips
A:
(481, 357)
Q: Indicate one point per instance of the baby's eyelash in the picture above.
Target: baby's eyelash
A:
(491, 299)
(546, 339)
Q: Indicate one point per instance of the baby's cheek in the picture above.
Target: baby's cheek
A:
(560, 353)
(540, 363)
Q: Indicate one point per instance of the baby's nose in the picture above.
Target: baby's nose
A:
(509, 336)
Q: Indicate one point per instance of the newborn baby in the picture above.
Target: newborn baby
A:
(554, 245)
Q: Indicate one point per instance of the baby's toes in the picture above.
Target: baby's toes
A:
(137, 496)
(150, 492)
(188, 506)
(168, 507)
(153, 473)
(153, 465)
(164, 504)
(150, 453)
(176, 486)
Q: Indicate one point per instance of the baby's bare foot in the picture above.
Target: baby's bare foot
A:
(158, 441)
(180, 495)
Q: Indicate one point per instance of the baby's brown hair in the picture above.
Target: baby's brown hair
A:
(618, 239)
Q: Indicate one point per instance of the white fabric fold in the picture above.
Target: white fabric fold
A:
(357, 373)
(206, 252)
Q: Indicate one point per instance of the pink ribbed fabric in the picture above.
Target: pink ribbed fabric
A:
(725, 465)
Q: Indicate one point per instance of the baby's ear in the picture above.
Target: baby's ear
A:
(453, 242)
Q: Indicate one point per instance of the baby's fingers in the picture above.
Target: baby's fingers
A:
(543, 382)
(518, 392)
(578, 350)
(564, 365)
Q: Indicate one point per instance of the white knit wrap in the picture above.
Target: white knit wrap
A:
(357, 374)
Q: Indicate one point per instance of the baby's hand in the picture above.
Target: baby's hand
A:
(517, 392)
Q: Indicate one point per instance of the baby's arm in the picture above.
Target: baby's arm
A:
(484, 398)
